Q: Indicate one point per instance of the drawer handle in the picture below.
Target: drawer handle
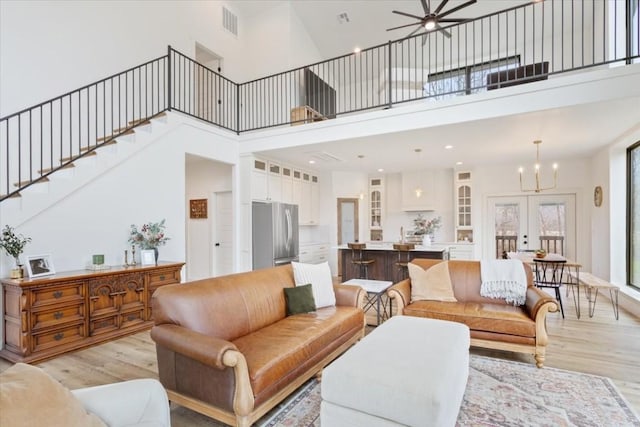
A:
(57, 294)
(161, 277)
(58, 336)
(58, 315)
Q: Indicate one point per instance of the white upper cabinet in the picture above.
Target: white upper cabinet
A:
(259, 180)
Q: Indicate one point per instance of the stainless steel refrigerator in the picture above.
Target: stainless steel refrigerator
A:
(275, 234)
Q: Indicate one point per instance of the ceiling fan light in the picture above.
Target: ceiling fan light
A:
(429, 24)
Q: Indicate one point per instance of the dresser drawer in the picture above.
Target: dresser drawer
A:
(57, 337)
(164, 277)
(103, 325)
(48, 318)
(131, 318)
(58, 294)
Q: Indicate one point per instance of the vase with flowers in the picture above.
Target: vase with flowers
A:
(13, 244)
(426, 227)
(150, 236)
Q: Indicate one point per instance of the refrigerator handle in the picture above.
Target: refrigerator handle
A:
(289, 230)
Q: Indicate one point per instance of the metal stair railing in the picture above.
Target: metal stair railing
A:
(37, 141)
(518, 45)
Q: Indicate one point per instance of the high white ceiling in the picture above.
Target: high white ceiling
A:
(570, 132)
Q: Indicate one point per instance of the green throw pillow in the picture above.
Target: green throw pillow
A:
(299, 299)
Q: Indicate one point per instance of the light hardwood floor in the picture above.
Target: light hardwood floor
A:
(599, 345)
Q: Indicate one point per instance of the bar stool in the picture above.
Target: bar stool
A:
(403, 259)
(548, 274)
(358, 260)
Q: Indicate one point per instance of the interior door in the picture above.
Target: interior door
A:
(531, 222)
(347, 224)
(223, 239)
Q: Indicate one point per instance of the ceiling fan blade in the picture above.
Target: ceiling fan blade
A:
(443, 31)
(404, 26)
(455, 9)
(439, 8)
(425, 7)
(419, 18)
(414, 31)
(425, 37)
(454, 20)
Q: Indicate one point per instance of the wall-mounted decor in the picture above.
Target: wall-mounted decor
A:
(40, 265)
(198, 208)
(597, 196)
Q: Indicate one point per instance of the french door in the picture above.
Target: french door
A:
(529, 223)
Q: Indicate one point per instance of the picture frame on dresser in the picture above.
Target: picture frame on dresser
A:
(40, 265)
(147, 257)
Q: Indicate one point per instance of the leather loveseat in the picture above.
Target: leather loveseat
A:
(227, 349)
(493, 323)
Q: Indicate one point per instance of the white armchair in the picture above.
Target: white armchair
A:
(139, 403)
(29, 397)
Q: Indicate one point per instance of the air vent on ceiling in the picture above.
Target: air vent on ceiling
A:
(343, 18)
(229, 21)
(324, 156)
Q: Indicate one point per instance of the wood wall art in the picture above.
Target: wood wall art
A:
(198, 208)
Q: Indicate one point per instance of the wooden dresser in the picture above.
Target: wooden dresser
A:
(48, 316)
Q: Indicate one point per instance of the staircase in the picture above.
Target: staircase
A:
(79, 171)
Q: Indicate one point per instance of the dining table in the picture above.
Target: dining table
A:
(570, 276)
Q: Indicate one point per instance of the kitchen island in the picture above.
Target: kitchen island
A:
(385, 258)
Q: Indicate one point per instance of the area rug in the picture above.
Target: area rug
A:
(501, 393)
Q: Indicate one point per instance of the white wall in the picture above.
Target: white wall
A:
(148, 186)
(48, 48)
(203, 178)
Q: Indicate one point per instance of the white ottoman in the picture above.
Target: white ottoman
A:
(409, 371)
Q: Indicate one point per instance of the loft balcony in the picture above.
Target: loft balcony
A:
(524, 44)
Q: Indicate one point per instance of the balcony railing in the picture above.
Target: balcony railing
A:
(522, 44)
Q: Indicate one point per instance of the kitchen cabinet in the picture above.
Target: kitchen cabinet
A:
(259, 180)
(274, 182)
(376, 207)
(48, 316)
(462, 251)
(463, 206)
(314, 253)
(287, 184)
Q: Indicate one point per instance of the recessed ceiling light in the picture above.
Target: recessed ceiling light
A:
(458, 163)
(313, 162)
(357, 50)
(380, 170)
(448, 147)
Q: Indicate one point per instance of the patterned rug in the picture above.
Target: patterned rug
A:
(501, 393)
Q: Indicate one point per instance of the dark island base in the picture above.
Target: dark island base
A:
(384, 265)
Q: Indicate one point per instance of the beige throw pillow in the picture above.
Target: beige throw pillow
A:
(431, 284)
(29, 397)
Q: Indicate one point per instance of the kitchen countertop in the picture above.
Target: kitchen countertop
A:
(389, 247)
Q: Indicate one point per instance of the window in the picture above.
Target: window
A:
(466, 80)
(633, 215)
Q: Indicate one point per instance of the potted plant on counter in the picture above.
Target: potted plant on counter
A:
(426, 227)
(13, 244)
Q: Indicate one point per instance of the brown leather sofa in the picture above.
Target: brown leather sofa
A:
(227, 349)
(493, 323)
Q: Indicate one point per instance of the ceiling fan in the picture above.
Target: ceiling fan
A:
(433, 18)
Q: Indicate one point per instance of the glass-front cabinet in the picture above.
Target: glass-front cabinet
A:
(463, 217)
(376, 207)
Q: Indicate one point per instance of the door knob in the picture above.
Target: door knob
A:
(217, 244)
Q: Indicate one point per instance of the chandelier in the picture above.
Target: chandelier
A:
(538, 188)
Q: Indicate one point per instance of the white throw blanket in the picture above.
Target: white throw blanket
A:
(504, 278)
